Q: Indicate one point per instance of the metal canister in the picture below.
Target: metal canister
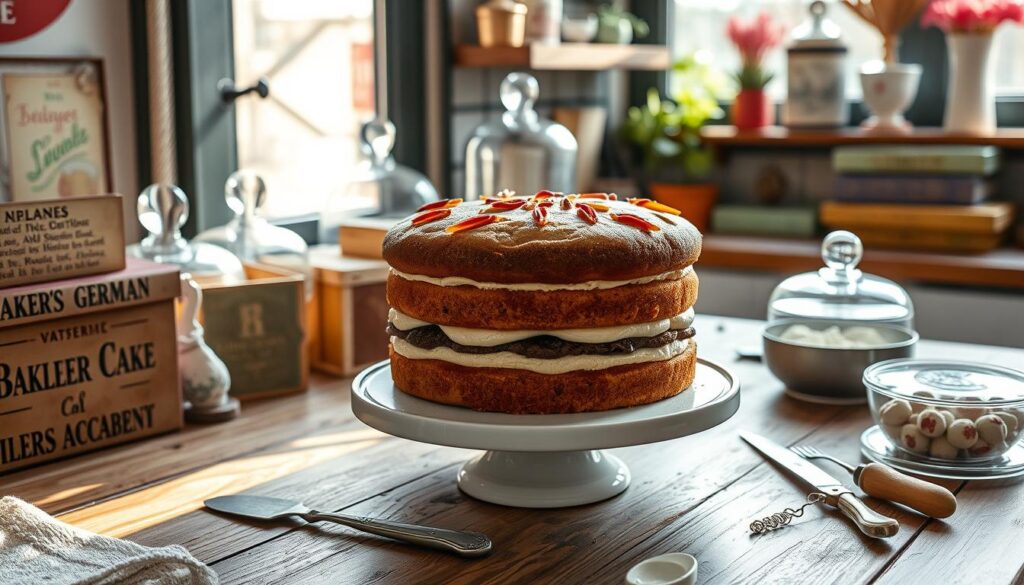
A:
(816, 66)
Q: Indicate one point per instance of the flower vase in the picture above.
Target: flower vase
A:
(752, 109)
(970, 104)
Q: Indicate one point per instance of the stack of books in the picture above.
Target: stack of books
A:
(918, 197)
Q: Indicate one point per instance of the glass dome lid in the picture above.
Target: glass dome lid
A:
(249, 235)
(162, 210)
(947, 381)
(520, 151)
(380, 187)
(840, 291)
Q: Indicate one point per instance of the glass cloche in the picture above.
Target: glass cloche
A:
(840, 291)
(162, 210)
(249, 235)
(520, 150)
(379, 188)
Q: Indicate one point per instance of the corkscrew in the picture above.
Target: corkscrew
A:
(780, 519)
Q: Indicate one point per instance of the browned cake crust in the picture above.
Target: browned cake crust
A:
(468, 306)
(525, 392)
(566, 250)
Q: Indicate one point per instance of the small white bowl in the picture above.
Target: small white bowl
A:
(580, 30)
(668, 569)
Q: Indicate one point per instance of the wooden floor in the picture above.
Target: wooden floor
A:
(695, 494)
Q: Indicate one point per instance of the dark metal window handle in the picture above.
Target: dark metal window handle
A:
(229, 92)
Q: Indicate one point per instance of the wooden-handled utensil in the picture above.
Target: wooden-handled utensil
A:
(883, 482)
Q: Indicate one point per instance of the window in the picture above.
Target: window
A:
(700, 26)
(303, 138)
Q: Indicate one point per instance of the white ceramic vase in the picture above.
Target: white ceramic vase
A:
(970, 104)
(889, 89)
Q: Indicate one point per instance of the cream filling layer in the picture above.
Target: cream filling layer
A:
(588, 285)
(572, 363)
(492, 337)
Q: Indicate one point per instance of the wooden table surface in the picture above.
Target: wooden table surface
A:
(696, 494)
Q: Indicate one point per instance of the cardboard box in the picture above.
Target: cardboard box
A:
(353, 311)
(259, 329)
(97, 367)
(43, 241)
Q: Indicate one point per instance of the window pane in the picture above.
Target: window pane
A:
(1007, 48)
(318, 55)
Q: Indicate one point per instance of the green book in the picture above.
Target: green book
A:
(958, 160)
(757, 220)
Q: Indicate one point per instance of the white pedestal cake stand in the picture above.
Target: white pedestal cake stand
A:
(544, 461)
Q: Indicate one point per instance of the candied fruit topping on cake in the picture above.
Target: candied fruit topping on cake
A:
(635, 221)
(474, 222)
(442, 204)
(430, 216)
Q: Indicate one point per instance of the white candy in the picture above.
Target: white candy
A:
(931, 424)
(895, 412)
(1012, 425)
(962, 434)
(948, 417)
(971, 412)
(919, 406)
(912, 439)
(984, 449)
(991, 429)
(942, 449)
(913, 418)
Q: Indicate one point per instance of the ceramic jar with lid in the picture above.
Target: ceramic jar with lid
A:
(816, 70)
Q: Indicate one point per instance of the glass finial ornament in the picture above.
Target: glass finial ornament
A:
(840, 291)
(162, 210)
(520, 151)
(249, 235)
(379, 188)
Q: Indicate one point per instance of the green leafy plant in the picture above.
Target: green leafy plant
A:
(610, 15)
(665, 134)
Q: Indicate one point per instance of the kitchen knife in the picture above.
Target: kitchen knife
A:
(837, 495)
(467, 544)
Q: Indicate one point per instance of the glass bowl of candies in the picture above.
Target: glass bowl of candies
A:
(947, 411)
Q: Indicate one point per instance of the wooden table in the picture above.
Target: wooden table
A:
(695, 494)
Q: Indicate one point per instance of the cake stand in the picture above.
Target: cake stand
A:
(544, 461)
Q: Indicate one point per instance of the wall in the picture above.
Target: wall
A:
(99, 28)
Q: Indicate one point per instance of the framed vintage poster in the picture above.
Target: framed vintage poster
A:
(55, 135)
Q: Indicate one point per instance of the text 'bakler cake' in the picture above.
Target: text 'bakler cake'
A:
(544, 304)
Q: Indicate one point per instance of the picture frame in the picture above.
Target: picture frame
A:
(54, 128)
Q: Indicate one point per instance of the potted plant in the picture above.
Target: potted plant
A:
(664, 146)
(616, 26)
(968, 24)
(888, 86)
(752, 107)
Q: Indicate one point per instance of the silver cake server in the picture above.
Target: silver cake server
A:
(467, 544)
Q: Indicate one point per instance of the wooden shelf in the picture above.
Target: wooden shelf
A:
(1001, 268)
(777, 136)
(566, 56)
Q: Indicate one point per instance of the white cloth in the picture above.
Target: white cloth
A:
(36, 548)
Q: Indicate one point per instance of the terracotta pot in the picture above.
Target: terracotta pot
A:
(694, 200)
(752, 109)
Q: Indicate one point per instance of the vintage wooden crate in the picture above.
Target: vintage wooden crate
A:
(353, 311)
(87, 363)
(259, 329)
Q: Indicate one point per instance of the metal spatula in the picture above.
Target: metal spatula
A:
(467, 544)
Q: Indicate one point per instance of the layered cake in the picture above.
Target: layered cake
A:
(549, 303)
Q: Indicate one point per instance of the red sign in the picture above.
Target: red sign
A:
(24, 18)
